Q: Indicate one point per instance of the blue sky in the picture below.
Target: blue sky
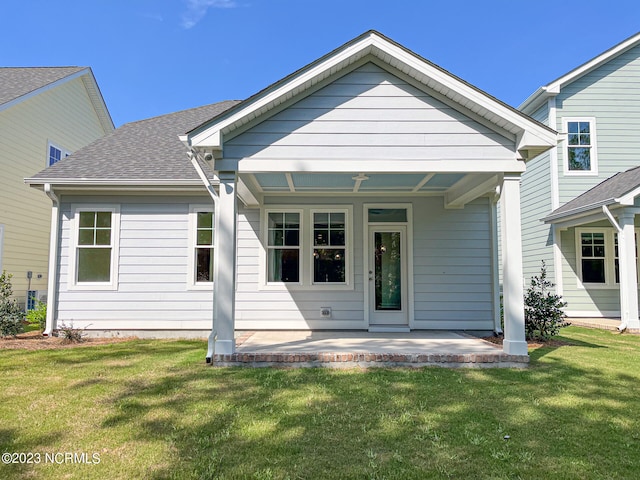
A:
(152, 57)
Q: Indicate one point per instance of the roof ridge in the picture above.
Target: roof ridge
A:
(177, 112)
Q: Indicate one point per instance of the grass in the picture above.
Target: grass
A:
(152, 409)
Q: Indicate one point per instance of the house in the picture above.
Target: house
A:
(578, 207)
(357, 193)
(45, 114)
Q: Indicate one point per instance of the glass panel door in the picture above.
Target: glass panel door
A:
(388, 271)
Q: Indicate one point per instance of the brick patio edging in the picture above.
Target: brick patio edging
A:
(344, 360)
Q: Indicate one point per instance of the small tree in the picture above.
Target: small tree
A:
(543, 310)
(11, 315)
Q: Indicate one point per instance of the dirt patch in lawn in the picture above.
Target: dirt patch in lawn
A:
(35, 341)
(532, 343)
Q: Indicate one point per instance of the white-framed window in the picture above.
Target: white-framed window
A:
(597, 257)
(307, 248)
(202, 234)
(580, 152)
(283, 246)
(94, 244)
(55, 154)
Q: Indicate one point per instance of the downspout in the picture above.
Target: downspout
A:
(53, 260)
(623, 325)
(193, 156)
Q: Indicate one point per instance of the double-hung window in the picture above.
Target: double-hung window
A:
(283, 247)
(329, 247)
(598, 257)
(580, 150)
(55, 154)
(95, 240)
(204, 248)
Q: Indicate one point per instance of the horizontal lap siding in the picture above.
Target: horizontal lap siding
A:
(609, 94)
(152, 288)
(369, 114)
(452, 265)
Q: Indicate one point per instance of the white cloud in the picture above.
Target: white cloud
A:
(197, 9)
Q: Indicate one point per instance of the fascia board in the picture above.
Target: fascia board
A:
(97, 100)
(112, 182)
(578, 212)
(629, 197)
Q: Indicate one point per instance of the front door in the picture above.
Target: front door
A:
(388, 276)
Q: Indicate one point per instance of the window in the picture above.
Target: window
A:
(307, 248)
(329, 241)
(205, 234)
(597, 257)
(94, 247)
(283, 247)
(580, 146)
(56, 154)
(593, 257)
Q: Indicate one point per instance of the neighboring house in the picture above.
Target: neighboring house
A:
(357, 193)
(578, 210)
(45, 115)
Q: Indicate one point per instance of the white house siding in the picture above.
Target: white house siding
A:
(369, 114)
(609, 94)
(152, 289)
(65, 116)
(451, 271)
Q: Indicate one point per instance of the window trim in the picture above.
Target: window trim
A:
(306, 248)
(194, 209)
(72, 274)
(609, 257)
(594, 146)
(63, 152)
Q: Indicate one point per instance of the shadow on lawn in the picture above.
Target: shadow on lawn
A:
(563, 419)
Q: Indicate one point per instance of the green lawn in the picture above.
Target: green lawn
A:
(152, 409)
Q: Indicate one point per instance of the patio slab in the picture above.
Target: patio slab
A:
(339, 349)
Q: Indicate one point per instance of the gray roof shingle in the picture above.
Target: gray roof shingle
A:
(602, 194)
(18, 81)
(147, 150)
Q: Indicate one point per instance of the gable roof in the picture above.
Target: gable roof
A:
(532, 137)
(621, 188)
(18, 84)
(143, 152)
(537, 98)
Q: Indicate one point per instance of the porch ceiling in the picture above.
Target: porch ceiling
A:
(357, 182)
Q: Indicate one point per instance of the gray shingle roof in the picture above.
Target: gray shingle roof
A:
(147, 150)
(605, 193)
(18, 81)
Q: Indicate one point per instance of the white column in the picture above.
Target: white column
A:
(512, 277)
(224, 270)
(628, 271)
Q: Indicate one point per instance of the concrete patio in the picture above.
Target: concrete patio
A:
(340, 349)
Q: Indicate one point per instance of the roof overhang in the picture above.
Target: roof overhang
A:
(531, 136)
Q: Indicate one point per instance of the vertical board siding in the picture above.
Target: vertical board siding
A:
(369, 114)
(65, 116)
(609, 94)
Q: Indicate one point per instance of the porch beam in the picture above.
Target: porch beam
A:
(247, 196)
(512, 276)
(628, 272)
(224, 270)
(469, 188)
(423, 182)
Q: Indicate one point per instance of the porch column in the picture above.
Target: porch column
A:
(628, 271)
(512, 277)
(224, 270)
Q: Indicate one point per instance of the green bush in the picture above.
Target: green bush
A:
(543, 310)
(38, 316)
(11, 315)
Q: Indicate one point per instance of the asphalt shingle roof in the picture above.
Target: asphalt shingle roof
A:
(18, 81)
(603, 193)
(146, 150)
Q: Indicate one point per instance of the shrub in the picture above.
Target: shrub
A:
(543, 310)
(38, 316)
(11, 315)
(70, 334)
